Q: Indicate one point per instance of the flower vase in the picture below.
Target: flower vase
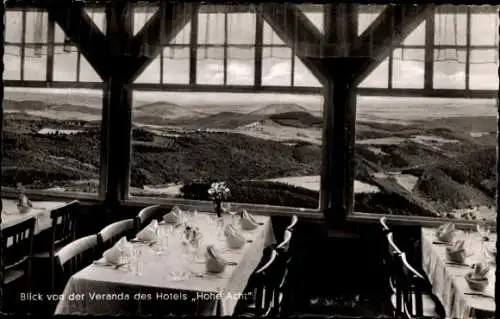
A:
(218, 208)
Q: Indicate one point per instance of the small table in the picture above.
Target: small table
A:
(448, 281)
(216, 294)
(40, 210)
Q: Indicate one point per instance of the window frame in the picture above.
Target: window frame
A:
(272, 210)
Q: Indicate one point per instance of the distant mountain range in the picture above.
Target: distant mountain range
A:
(452, 167)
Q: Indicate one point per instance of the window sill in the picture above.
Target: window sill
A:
(140, 202)
(208, 206)
(396, 220)
(41, 195)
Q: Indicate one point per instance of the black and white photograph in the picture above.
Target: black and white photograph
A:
(264, 159)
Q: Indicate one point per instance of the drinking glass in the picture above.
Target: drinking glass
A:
(137, 260)
(484, 230)
(220, 228)
(160, 236)
(180, 271)
(233, 214)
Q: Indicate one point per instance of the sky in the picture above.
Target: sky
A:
(407, 66)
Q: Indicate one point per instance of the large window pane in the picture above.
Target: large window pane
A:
(449, 69)
(210, 66)
(151, 74)
(176, 65)
(484, 29)
(65, 60)
(426, 157)
(35, 63)
(269, 36)
(12, 63)
(13, 26)
(303, 76)
(417, 36)
(87, 72)
(450, 29)
(378, 78)
(36, 27)
(277, 66)
(211, 28)
(241, 28)
(483, 70)
(408, 68)
(368, 14)
(240, 66)
(266, 146)
(51, 140)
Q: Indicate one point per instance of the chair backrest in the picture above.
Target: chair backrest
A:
(17, 244)
(293, 223)
(389, 254)
(410, 285)
(267, 284)
(383, 223)
(74, 257)
(64, 225)
(110, 234)
(146, 215)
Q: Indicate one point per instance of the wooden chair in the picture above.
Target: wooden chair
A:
(110, 234)
(266, 293)
(293, 223)
(17, 249)
(414, 298)
(63, 232)
(283, 260)
(146, 215)
(74, 257)
(383, 223)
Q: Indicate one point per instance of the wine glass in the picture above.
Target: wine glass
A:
(484, 230)
(180, 273)
(137, 260)
(232, 213)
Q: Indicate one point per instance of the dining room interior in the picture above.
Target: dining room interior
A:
(269, 159)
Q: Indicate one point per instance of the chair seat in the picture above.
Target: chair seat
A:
(42, 254)
(429, 307)
(12, 275)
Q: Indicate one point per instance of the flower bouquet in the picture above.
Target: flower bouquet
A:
(218, 192)
(23, 204)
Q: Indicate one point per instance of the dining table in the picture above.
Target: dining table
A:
(448, 278)
(40, 211)
(103, 290)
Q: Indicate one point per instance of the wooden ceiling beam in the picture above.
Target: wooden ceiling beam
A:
(82, 31)
(298, 32)
(393, 25)
(158, 31)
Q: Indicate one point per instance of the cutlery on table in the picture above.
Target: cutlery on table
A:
(478, 294)
(249, 241)
(231, 263)
(440, 243)
(457, 264)
(99, 263)
(261, 224)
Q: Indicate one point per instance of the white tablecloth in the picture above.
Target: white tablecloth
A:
(41, 211)
(448, 281)
(156, 276)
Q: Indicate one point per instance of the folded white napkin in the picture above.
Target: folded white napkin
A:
(24, 204)
(480, 271)
(247, 221)
(148, 234)
(234, 238)
(113, 255)
(174, 216)
(215, 263)
(446, 232)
